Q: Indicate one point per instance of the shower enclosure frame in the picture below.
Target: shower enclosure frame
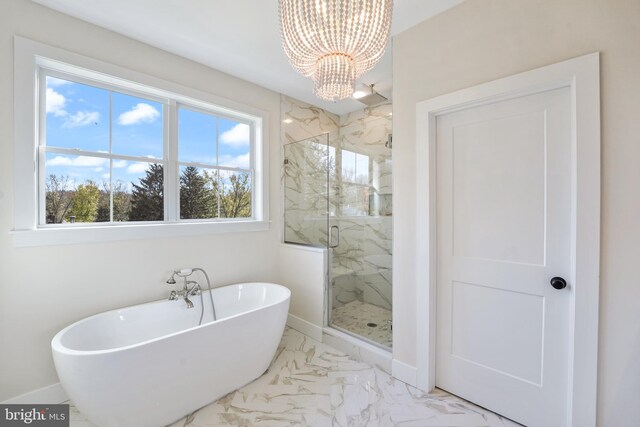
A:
(329, 238)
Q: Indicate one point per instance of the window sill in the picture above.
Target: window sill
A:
(97, 234)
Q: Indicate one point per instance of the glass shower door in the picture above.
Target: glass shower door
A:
(360, 234)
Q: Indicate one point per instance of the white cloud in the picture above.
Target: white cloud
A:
(140, 113)
(54, 82)
(105, 176)
(119, 164)
(81, 118)
(80, 161)
(237, 136)
(241, 161)
(56, 103)
(137, 167)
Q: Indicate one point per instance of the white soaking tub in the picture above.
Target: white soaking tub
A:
(151, 364)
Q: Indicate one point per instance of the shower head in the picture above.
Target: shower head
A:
(368, 96)
(171, 280)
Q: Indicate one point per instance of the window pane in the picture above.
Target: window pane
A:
(234, 144)
(235, 194)
(355, 200)
(73, 188)
(348, 166)
(77, 116)
(198, 193)
(137, 126)
(142, 184)
(362, 169)
(196, 136)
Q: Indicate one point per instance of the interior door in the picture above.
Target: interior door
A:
(503, 235)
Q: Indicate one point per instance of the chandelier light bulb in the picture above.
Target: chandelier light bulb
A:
(334, 41)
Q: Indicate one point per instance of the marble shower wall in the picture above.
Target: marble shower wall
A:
(361, 264)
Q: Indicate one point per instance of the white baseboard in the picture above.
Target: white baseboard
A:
(305, 327)
(51, 394)
(358, 349)
(405, 373)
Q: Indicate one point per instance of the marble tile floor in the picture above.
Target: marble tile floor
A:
(356, 316)
(312, 384)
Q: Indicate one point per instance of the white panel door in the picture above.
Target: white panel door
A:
(503, 232)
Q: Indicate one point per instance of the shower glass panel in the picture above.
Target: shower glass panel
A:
(307, 165)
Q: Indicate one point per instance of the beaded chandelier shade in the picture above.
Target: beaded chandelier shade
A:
(334, 41)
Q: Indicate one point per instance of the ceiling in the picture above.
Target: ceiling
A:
(238, 37)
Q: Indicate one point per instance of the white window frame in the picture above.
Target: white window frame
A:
(31, 58)
(178, 163)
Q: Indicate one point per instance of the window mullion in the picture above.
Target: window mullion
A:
(111, 159)
(219, 199)
(170, 136)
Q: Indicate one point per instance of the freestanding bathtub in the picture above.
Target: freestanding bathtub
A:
(151, 364)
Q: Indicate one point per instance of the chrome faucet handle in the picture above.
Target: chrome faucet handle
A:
(187, 283)
(173, 296)
(196, 290)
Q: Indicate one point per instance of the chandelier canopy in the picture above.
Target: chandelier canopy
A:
(334, 41)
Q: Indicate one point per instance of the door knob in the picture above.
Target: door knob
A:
(558, 283)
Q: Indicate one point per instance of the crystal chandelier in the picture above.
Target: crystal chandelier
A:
(334, 41)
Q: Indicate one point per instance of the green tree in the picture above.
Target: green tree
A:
(235, 196)
(85, 203)
(58, 198)
(147, 197)
(196, 195)
(104, 204)
(121, 202)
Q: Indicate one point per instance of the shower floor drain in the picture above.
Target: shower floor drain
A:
(372, 325)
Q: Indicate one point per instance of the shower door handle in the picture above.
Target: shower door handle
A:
(331, 244)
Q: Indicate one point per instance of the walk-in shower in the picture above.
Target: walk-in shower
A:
(338, 195)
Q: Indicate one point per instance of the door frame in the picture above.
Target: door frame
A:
(582, 76)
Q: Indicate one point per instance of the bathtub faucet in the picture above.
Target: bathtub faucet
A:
(190, 288)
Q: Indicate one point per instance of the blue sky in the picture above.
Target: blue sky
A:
(78, 117)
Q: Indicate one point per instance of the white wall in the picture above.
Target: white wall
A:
(483, 40)
(43, 289)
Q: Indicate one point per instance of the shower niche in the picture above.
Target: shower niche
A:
(338, 195)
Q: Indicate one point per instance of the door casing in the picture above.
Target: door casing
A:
(582, 76)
